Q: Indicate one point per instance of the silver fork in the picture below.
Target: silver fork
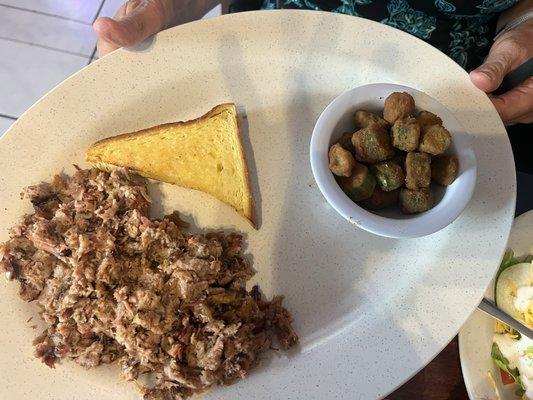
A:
(488, 307)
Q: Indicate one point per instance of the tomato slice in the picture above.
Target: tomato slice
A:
(507, 379)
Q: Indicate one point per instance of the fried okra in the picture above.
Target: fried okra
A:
(346, 141)
(399, 158)
(389, 175)
(364, 119)
(405, 134)
(341, 161)
(416, 201)
(434, 139)
(398, 105)
(393, 158)
(417, 170)
(372, 144)
(444, 169)
(426, 118)
(381, 199)
(360, 185)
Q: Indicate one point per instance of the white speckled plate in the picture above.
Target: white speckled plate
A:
(475, 337)
(371, 311)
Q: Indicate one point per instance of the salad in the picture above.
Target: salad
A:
(513, 293)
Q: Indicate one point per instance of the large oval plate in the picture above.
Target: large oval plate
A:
(371, 311)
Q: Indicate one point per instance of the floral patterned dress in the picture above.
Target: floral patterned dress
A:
(463, 29)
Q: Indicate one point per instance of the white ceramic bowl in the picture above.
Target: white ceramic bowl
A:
(449, 201)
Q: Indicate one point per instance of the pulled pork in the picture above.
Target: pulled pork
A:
(113, 284)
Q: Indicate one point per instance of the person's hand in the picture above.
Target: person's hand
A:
(507, 53)
(134, 21)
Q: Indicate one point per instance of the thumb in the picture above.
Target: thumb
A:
(502, 59)
(134, 22)
(489, 75)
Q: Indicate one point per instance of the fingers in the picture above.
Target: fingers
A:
(104, 30)
(526, 119)
(507, 53)
(135, 21)
(516, 105)
(503, 57)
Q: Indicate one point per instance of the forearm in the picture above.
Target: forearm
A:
(514, 12)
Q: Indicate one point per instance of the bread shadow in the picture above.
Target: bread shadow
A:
(157, 206)
(186, 221)
(250, 160)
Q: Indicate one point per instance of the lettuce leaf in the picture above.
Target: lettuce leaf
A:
(508, 261)
(503, 364)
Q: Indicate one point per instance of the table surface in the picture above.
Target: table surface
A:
(441, 379)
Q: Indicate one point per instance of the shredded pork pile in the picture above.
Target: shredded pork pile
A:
(113, 284)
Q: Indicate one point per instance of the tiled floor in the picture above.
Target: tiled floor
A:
(42, 42)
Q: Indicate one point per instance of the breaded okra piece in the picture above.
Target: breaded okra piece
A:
(360, 185)
(444, 169)
(434, 139)
(405, 134)
(381, 199)
(417, 170)
(389, 175)
(341, 161)
(346, 141)
(364, 119)
(425, 118)
(372, 145)
(398, 105)
(416, 201)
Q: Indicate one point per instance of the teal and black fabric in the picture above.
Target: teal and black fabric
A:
(245, 5)
(463, 29)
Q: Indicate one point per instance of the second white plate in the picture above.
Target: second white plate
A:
(475, 337)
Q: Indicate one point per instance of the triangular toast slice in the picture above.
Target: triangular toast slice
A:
(204, 154)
